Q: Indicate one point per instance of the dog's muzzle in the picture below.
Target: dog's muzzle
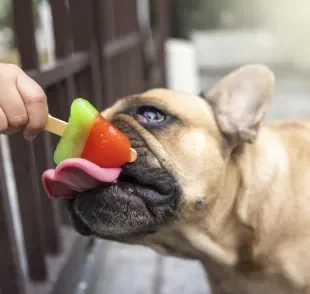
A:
(141, 199)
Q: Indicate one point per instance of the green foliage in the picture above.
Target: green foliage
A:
(195, 14)
(206, 14)
(181, 16)
(5, 15)
(6, 18)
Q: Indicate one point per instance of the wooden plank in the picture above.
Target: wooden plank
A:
(176, 275)
(84, 86)
(164, 17)
(50, 215)
(66, 268)
(123, 268)
(11, 276)
(69, 63)
(63, 41)
(117, 83)
(23, 153)
(136, 80)
(24, 34)
(72, 269)
(120, 76)
(95, 49)
(61, 26)
(62, 70)
(118, 46)
(120, 17)
(26, 176)
(85, 37)
(134, 20)
(106, 21)
(104, 17)
(59, 107)
(126, 72)
(80, 21)
(107, 82)
(125, 16)
(50, 233)
(162, 9)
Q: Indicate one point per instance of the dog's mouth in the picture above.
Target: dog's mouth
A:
(76, 175)
(127, 206)
(115, 203)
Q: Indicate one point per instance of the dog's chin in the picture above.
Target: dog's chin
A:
(121, 210)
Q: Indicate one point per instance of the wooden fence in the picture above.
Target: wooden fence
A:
(100, 55)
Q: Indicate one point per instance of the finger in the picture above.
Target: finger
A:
(36, 105)
(3, 122)
(11, 102)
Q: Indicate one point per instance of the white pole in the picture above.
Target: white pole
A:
(181, 66)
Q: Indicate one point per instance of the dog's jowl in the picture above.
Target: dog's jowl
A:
(212, 183)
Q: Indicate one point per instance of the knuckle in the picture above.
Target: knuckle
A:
(36, 126)
(37, 97)
(9, 68)
(18, 120)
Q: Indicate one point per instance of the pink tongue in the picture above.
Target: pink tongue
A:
(76, 175)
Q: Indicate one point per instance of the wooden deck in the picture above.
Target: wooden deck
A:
(137, 270)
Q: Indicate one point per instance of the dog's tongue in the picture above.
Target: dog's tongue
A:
(76, 175)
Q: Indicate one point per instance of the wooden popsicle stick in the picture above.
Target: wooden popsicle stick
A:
(133, 155)
(57, 127)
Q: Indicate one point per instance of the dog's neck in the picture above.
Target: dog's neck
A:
(226, 234)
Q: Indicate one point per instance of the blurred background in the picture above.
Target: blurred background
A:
(103, 50)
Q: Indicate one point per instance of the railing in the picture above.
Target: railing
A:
(99, 56)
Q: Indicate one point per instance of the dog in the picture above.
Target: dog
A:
(212, 183)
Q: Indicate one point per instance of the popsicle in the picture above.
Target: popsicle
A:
(90, 136)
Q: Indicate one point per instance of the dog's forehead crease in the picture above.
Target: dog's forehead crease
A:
(176, 103)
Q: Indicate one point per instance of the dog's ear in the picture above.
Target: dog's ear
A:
(240, 101)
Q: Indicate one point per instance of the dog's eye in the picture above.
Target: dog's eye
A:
(149, 115)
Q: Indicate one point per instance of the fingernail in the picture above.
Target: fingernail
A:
(29, 136)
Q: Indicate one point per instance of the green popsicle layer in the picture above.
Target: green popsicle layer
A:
(81, 120)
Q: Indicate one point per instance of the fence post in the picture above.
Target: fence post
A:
(62, 94)
(162, 9)
(11, 275)
(23, 154)
(85, 39)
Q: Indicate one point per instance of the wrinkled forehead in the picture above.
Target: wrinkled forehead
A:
(179, 104)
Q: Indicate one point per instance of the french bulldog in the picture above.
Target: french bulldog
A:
(212, 182)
